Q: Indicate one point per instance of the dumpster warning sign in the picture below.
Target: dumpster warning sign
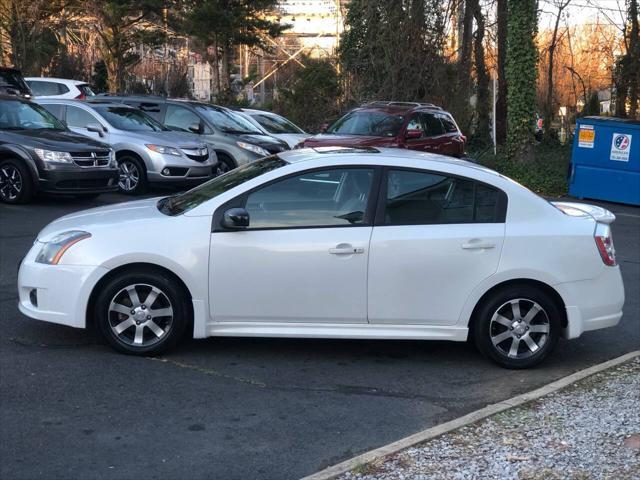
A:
(586, 136)
(620, 147)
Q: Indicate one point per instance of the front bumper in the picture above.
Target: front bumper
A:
(78, 180)
(593, 304)
(56, 293)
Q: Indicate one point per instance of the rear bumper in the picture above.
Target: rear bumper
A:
(593, 304)
(78, 180)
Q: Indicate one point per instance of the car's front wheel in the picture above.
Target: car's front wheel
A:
(133, 175)
(142, 312)
(15, 182)
(518, 326)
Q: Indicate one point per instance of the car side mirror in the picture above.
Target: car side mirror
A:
(97, 128)
(235, 219)
(413, 134)
(196, 128)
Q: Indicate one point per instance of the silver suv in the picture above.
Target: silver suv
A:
(146, 151)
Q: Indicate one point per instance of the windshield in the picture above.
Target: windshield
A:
(129, 119)
(184, 202)
(17, 115)
(377, 124)
(227, 121)
(275, 124)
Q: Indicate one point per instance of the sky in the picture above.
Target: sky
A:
(584, 11)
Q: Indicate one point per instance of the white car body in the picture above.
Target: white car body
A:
(260, 118)
(60, 88)
(402, 282)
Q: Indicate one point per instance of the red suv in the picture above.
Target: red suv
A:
(417, 126)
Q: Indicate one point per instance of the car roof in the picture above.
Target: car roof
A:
(360, 153)
(87, 103)
(54, 79)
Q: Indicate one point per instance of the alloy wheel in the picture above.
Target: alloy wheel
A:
(10, 183)
(222, 168)
(140, 315)
(519, 328)
(129, 176)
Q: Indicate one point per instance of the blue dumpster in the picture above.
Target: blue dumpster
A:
(605, 161)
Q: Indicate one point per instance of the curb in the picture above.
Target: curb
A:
(430, 433)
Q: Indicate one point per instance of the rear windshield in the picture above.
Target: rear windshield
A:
(129, 119)
(183, 202)
(85, 88)
(376, 124)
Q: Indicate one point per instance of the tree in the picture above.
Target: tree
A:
(122, 25)
(393, 50)
(521, 73)
(627, 69)
(548, 104)
(100, 79)
(310, 95)
(482, 76)
(220, 25)
(502, 15)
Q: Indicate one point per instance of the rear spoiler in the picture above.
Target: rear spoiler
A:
(575, 209)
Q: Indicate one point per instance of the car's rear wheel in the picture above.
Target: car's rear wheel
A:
(518, 326)
(133, 175)
(15, 182)
(142, 312)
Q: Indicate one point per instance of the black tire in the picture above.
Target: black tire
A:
(111, 312)
(495, 320)
(131, 166)
(225, 164)
(16, 185)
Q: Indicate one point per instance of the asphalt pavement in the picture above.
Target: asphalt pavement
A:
(240, 408)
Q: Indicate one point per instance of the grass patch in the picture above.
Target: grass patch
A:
(544, 171)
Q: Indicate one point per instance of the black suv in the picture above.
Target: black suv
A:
(12, 83)
(236, 140)
(38, 153)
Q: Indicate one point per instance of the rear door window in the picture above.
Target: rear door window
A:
(415, 124)
(56, 110)
(79, 118)
(432, 125)
(424, 198)
(41, 88)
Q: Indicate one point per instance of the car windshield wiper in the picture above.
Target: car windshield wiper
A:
(240, 131)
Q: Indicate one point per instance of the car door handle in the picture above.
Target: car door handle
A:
(478, 245)
(343, 249)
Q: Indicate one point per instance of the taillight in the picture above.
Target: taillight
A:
(604, 242)
(82, 96)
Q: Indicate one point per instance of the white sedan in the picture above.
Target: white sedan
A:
(334, 243)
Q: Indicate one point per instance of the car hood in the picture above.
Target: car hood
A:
(61, 141)
(327, 140)
(292, 139)
(107, 217)
(270, 144)
(169, 138)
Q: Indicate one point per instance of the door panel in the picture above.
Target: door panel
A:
(423, 274)
(290, 275)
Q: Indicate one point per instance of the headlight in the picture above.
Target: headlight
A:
(164, 150)
(51, 156)
(253, 148)
(52, 251)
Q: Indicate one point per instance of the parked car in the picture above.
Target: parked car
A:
(340, 243)
(46, 87)
(146, 151)
(12, 83)
(39, 154)
(416, 126)
(274, 125)
(237, 140)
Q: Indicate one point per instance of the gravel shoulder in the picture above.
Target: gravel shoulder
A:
(590, 430)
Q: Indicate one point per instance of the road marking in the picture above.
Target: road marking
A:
(430, 433)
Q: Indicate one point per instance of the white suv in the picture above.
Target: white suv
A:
(43, 87)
